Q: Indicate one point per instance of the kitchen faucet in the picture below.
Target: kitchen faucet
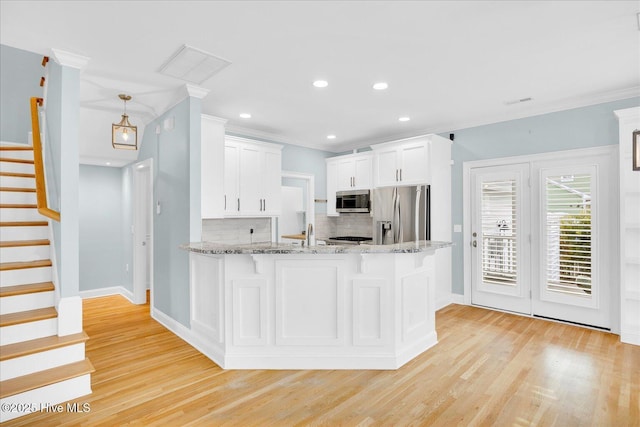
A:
(309, 233)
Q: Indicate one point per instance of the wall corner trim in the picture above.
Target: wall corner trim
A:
(68, 59)
(196, 91)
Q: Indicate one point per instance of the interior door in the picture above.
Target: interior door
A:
(500, 237)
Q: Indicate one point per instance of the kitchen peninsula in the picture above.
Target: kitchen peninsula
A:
(279, 306)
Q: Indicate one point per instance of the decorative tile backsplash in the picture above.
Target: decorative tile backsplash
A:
(354, 224)
(236, 230)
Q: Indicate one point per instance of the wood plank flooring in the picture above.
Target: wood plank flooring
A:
(489, 368)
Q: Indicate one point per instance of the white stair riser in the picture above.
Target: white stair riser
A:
(18, 303)
(28, 331)
(17, 154)
(24, 233)
(69, 390)
(36, 362)
(20, 214)
(24, 253)
(17, 181)
(16, 167)
(17, 197)
(25, 276)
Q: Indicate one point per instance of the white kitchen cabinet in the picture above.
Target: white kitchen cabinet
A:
(332, 184)
(344, 173)
(252, 178)
(405, 162)
(212, 166)
(353, 172)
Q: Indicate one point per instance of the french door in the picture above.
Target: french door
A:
(500, 237)
(541, 238)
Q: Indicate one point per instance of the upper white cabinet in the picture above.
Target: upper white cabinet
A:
(350, 172)
(252, 178)
(212, 166)
(332, 184)
(353, 172)
(405, 162)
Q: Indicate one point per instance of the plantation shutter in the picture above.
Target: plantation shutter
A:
(567, 224)
(499, 232)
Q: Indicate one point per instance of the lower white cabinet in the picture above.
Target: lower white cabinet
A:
(313, 311)
(252, 178)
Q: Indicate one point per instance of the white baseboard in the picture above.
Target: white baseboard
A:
(458, 299)
(630, 337)
(189, 336)
(103, 292)
(444, 300)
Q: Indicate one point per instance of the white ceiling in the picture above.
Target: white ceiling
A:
(449, 65)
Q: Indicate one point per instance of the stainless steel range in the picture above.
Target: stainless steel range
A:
(348, 240)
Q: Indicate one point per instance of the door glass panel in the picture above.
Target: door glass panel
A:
(499, 232)
(568, 234)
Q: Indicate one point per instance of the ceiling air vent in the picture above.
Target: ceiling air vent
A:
(193, 65)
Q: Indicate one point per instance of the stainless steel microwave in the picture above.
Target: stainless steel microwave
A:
(353, 201)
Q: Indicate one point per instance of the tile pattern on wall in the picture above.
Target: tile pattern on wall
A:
(236, 230)
(346, 224)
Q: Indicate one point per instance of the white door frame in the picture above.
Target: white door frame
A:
(310, 202)
(606, 150)
(139, 234)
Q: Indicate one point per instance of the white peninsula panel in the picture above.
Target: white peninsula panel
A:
(275, 306)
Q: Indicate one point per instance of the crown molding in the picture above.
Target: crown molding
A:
(68, 59)
(196, 91)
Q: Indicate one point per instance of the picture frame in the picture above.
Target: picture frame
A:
(636, 150)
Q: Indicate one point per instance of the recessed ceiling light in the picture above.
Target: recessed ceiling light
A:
(404, 119)
(518, 101)
(245, 115)
(380, 86)
(108, 163)
(321, 83)
(331, 137)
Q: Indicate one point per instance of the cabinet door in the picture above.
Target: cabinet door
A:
(345, 174)
(386, 168)
(251, 159)
(231, 182)
(271, 179)
(414, 167)
(332, 180)
(362, 173)
(212, 168)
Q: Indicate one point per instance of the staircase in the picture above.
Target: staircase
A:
(38, 368)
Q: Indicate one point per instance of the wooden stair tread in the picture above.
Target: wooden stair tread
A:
(19, 243)
(44, 378)
(11, 351)
(18, 174)
(16, 148)
(31, 288)
(24, 224)
(20, 265)
(27, 316)
(18, 189)
(18, 206)
(8, 159)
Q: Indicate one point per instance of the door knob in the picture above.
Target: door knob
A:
(474, 234)
(474, 244)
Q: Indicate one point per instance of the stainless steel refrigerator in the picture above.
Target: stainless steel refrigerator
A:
(401, 214)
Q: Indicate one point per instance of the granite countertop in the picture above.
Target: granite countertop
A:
(280, 248)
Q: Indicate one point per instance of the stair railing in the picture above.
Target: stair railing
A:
(41, 190)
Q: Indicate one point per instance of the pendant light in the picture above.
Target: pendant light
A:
(124, 136)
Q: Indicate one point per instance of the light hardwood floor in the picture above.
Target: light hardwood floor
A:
(489, 368)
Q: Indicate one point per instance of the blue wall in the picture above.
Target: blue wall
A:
(584, 127)
(101, 255)
(170, 151)
(20, 73)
